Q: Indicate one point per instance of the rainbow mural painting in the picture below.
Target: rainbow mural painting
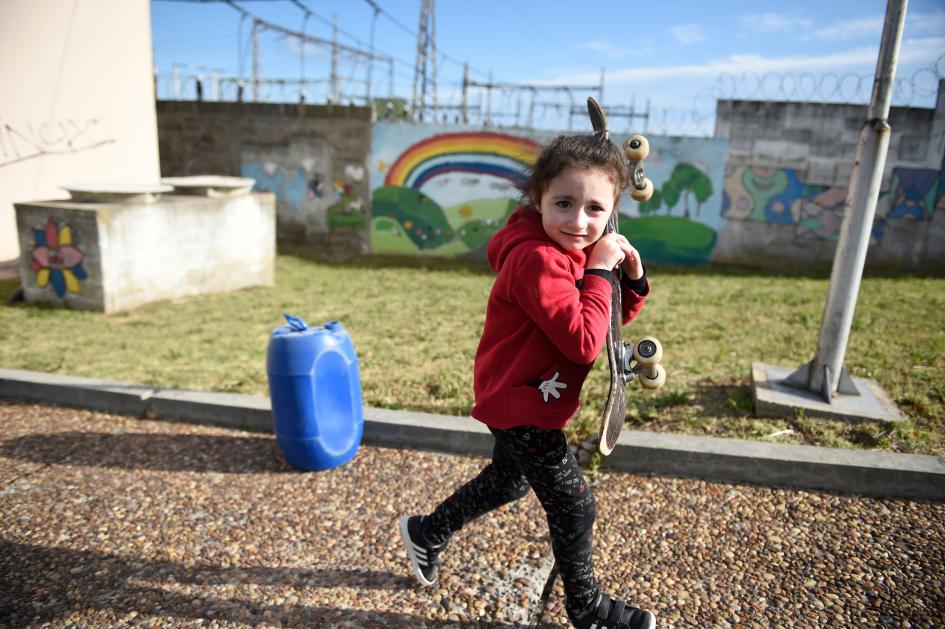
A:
(480, 153)
(444, 193)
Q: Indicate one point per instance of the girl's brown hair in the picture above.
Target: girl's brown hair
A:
(565, 151)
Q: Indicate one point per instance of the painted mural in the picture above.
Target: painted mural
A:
(444, 193)
(447, 193)
(681, 221)
(56, 260)
(308, 191)
(778, 195)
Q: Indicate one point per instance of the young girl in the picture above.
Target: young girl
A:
(546, 322)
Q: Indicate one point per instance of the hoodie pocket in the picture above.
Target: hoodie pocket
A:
(557, 388)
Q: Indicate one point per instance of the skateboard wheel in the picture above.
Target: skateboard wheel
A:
(636, 148)
(653, 380)
(644, 193)
(647, 351)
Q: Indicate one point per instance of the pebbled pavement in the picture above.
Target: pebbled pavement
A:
(112, 521)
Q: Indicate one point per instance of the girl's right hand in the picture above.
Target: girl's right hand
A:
(607, 253)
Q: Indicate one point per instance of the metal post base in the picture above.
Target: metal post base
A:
(801, 379)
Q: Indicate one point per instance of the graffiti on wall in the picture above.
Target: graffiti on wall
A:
(56, 260)
(680, 223)
(447, 193)
(56, 137)
(778, 195)
(310, 194)
(444, 193)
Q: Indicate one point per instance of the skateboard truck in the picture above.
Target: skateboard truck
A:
(642, 360)
(636, 149)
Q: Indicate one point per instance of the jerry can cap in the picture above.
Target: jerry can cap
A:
(295, 323)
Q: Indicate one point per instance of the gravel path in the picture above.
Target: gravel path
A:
(112, 521)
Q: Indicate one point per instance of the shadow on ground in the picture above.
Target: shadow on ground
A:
(43, 584)
(149, 451)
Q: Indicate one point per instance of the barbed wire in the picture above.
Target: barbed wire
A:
(509, 108)
(827, 88)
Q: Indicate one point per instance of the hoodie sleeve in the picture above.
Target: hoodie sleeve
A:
(575, 320)
(633, 294)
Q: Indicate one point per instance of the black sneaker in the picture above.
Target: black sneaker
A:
(608, 612)
(422, 554)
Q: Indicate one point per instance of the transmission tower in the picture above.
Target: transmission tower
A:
(426, 54)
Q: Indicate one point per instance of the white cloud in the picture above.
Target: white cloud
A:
(872, 27)
(775, 22)
(852, 29)
(857, 60)
(605, 48)
(688, 33)
(917, 23)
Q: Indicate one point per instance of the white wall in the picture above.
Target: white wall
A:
(77, 100)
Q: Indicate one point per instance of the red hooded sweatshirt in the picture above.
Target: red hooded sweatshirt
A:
(546, 322)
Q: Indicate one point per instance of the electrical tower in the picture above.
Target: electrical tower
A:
(426, 55)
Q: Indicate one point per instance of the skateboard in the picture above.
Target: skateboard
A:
(628, 361)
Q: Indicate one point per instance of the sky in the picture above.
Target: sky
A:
(670, 59)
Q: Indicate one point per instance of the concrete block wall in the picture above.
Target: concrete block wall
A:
(115, 256)
(787, 173)
(314, 158)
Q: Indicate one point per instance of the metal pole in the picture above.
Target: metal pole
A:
(175, 77)
(489, 113)
(333, 98)
(370, 68)
(255, 61)
(466, 93)
(302, 60)
(824, 372)
(531, 110)
(436, 106)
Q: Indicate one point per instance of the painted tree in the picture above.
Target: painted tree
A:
(651, 205)
(686, 180)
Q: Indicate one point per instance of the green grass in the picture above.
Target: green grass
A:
(416, 321)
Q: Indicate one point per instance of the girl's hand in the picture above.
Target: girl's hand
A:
(607, 253)
(632, 262)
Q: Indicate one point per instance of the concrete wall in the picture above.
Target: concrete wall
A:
(116, 256)
(314, 158)
(768, 191)
(787, 174)
(446, 190)
(77, 103)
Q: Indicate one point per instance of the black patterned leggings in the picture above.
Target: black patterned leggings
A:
(527, 457)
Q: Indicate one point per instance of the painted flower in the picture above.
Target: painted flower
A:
(56, 260)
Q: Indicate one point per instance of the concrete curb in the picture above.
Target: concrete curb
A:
(711, 458)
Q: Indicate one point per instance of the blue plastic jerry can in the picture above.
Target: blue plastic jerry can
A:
(316, 394)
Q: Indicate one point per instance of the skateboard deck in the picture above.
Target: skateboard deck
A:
(619, 355)
(615, 408)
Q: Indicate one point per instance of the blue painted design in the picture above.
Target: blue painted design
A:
(58, 281)
(79, 272)
(784, 200)
(39, 236)
(291, 190)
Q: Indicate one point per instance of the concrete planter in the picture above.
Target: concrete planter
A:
(112, 256)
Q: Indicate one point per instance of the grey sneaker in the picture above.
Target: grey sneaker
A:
(608, 612)
(422, 554)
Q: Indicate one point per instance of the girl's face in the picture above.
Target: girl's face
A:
(575, 207)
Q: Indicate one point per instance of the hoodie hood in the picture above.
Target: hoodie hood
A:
(524, 225)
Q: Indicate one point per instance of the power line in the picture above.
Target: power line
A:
(374, 5)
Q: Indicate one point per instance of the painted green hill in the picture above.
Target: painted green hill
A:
(420, 217)
(670, 239)
(479, 220)
(480, 209)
